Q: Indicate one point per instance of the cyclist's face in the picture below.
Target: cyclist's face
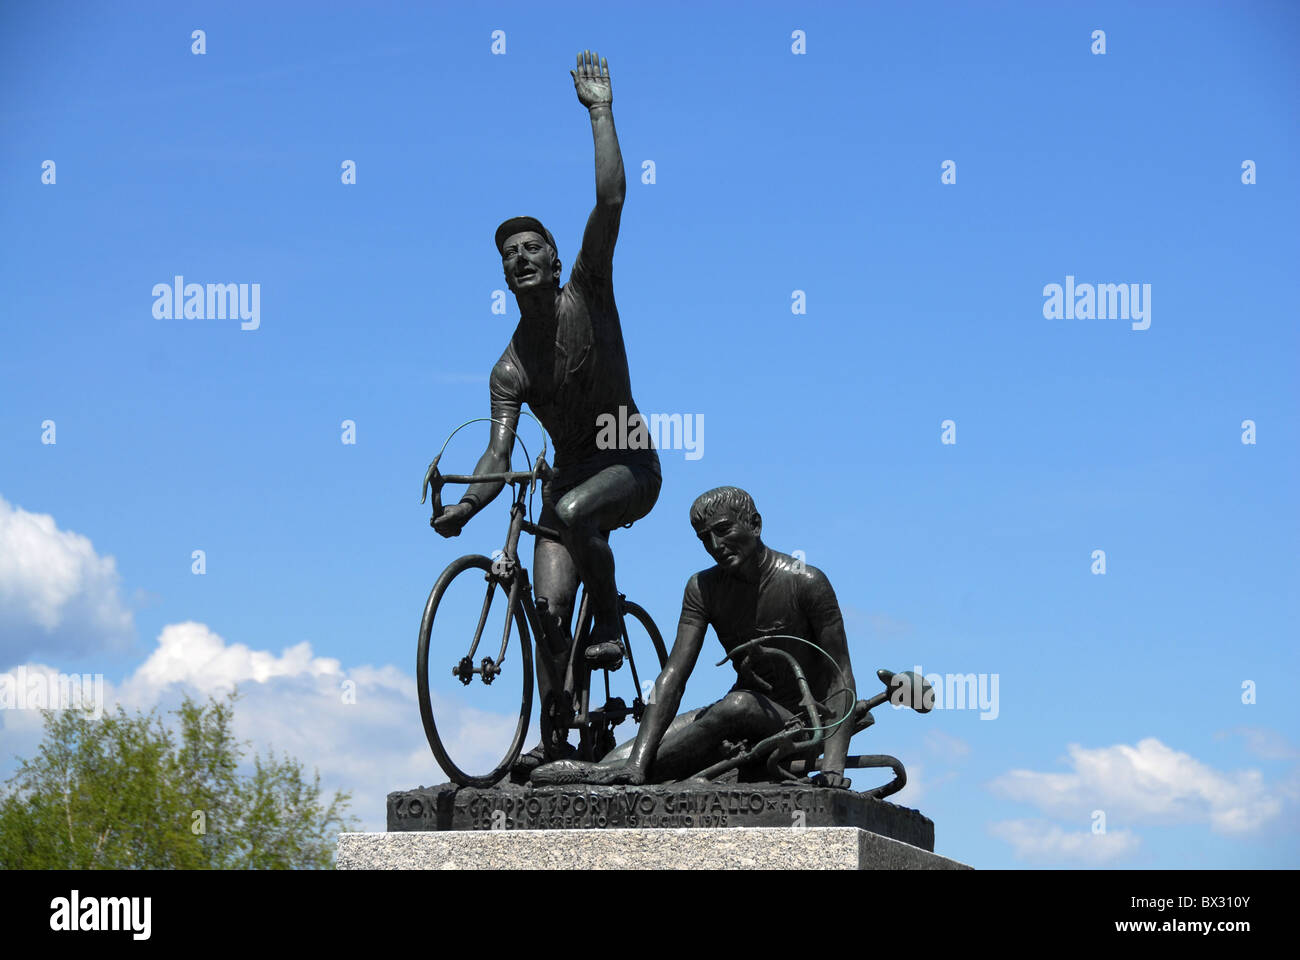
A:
(729, 540)
(529, 262)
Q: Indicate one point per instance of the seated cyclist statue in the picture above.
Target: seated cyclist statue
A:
(567, 361)
(752, 591)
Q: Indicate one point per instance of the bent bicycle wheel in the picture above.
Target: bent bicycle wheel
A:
(482, 722)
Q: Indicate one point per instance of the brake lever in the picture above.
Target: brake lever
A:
(433, 480)
(541, 472)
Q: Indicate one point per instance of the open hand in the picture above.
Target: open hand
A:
(591, 80)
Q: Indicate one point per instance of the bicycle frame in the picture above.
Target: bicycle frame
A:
(575, 687)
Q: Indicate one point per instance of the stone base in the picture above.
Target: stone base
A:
(739, 848)
(700, 806)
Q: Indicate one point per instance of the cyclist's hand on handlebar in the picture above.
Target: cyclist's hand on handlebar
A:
(831, 779)
(452, 519)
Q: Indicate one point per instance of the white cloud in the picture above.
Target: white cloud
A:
(1148, 783)
(21, 697)
(192, 654)
(1038, 841)
(295, 703)
(56, 594)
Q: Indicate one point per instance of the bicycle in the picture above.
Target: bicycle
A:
(570, 708)
(793, 752)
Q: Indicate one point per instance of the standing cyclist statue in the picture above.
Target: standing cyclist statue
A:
(567, 361)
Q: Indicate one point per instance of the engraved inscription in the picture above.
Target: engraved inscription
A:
(598, 808)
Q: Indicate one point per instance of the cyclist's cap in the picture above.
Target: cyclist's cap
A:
(520, 225)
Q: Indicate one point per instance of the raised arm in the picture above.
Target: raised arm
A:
(591, 82)
(671, 684)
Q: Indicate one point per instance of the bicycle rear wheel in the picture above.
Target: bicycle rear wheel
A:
(458, 623)
(636, 643)
(645, 656)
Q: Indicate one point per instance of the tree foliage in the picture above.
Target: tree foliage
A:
(125, 792)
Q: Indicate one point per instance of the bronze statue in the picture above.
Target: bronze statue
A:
(801, 670)
(567, 361)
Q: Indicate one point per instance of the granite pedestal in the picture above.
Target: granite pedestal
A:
(678, 826)
(733, 848)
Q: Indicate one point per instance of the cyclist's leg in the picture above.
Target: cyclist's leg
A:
(555, 580)
(693, 741)
(624, 750)
(584, 771)
(688, 748)
(617, 494)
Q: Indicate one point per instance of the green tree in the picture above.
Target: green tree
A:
(124, 792)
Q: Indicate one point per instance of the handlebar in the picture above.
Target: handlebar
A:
(510, 476)
(433, 480)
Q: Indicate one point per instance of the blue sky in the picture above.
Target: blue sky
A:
(774, 172)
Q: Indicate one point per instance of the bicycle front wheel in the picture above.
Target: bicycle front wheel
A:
(477, 638)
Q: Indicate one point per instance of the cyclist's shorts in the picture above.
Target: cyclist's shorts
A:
(635, 484)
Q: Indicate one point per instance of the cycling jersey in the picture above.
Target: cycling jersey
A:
(789, 597)
(571, 384)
